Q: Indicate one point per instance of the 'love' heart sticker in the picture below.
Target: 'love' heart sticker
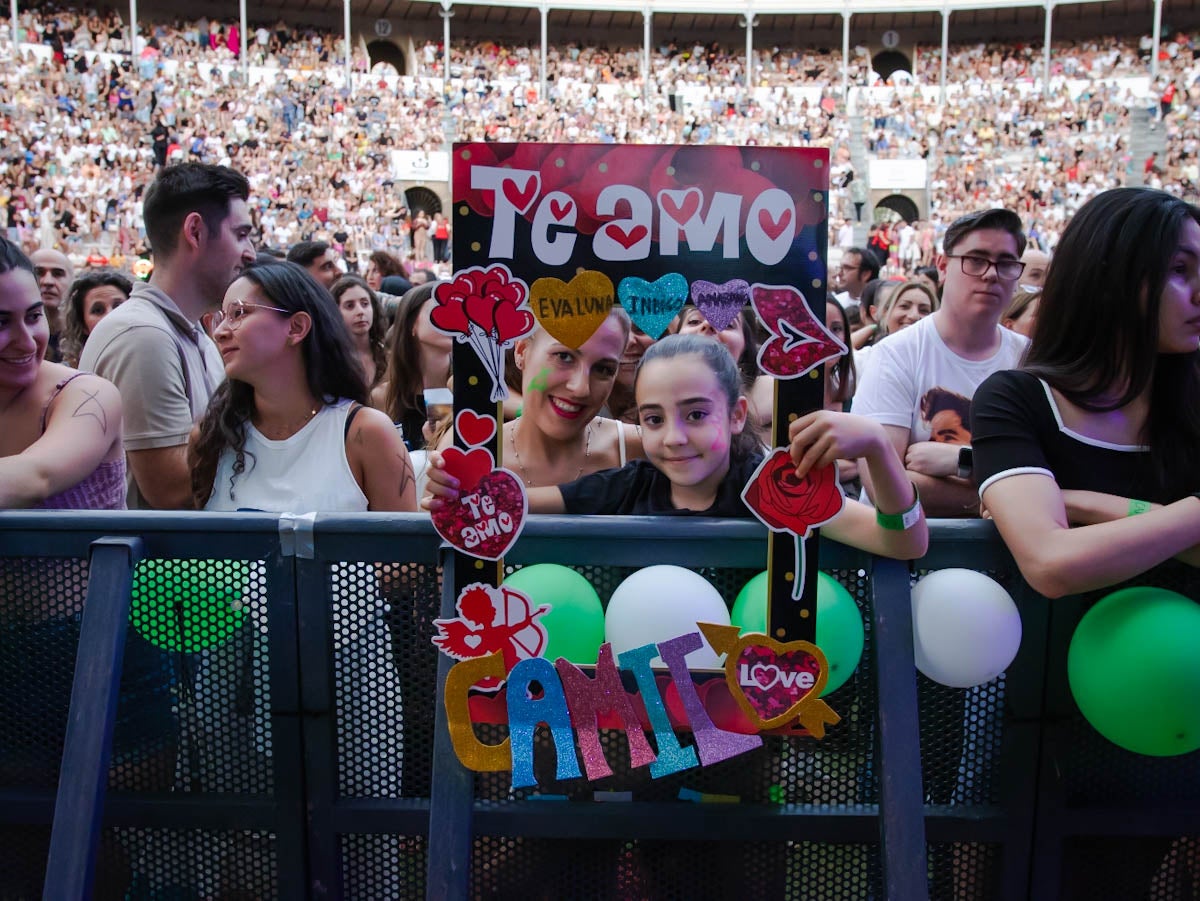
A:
(572, 311)
(473, 428)
(774, 682)
(486, 520)
(652, 305)
(721, 304)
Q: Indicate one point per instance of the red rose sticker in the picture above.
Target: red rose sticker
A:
(784, 502)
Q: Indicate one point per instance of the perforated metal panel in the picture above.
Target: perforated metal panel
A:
(384, 866)
(522, 868)
(385, 670)
(964, 871)
(199, 863)
(192, 716)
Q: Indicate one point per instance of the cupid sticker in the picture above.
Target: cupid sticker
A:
(785, 503)
(487, 309)
(492, 620)
(798, 342)
(491, 508)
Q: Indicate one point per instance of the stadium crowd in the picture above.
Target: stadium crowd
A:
(84, 130)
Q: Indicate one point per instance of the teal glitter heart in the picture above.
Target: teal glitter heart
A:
(652, 305)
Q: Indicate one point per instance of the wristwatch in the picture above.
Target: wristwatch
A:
(966, 462)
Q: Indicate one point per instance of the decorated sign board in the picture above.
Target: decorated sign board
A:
(553, 236)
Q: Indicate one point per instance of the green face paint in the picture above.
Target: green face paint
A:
(539, 380)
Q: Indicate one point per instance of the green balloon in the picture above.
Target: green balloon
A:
(575, 622)
(1135, 673)
(839, 624)
(188, 605)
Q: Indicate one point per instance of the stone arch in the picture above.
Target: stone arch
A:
(900, 204)
(420, 198)
(387, 52)
(887, 62)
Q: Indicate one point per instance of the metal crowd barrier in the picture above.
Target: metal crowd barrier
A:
(297, 751)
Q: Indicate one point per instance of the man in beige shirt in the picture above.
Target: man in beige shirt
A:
(153, 347)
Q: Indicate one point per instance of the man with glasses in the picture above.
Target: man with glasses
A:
(949, 352)
(153, 347)
(859, 266)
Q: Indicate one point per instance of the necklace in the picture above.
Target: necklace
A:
(287, 431)
(587, 451)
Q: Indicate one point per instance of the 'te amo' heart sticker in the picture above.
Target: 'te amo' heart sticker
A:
(487, 518)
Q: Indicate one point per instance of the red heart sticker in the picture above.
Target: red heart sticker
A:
(487, 520)
(468, 468)
(473, 428)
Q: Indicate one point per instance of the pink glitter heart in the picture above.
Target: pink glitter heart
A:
(485, 522)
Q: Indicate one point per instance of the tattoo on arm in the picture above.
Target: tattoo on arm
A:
(92, 407)
(406, 476)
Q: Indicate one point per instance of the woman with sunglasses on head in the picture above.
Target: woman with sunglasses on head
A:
(288, 429)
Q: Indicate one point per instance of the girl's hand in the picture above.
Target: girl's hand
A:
(441, 488)
(820, 438)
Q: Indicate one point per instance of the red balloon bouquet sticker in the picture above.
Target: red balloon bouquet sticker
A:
(490, 512)
(486, 308)
(799, 342)
(783, 502)
(493, 620)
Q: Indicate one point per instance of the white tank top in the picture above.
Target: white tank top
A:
(306, 473)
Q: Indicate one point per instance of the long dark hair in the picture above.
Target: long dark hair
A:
(378, 321)
(746, 444)
(844, 375)
(1097, 326)
(331, 369)
(406, 382)
(13, 258)
(74, 330)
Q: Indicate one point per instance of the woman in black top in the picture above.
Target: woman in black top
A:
(1101, 422)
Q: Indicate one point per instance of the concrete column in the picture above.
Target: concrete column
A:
(12, 13)
(1046, 49)
(647, 18)
(945, 53)
(133, 30)
(346, 30)
(242, 34)
(846, 58)
(544, 9)
(447, 14)
(1154, 52)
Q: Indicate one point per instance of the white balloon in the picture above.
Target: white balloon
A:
(662, 602)
(966, 628)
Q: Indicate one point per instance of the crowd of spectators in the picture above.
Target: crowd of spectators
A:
(84, 129)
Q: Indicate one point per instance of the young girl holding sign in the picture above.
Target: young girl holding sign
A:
(700, 455)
